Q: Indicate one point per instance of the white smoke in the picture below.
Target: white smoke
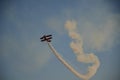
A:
(77, 47)
(66, 64)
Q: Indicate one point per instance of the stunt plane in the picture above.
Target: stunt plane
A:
(46, 38)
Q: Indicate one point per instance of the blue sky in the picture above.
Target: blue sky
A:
(23, 22)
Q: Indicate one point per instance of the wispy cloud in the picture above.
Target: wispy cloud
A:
(21, 48)
(25, 56)
(56, 23)
(99, 37)
(96, 23)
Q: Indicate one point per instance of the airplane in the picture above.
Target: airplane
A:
(46, 38)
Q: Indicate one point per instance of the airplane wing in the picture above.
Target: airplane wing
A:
(42, 37)
(43, 40)
(48, 35)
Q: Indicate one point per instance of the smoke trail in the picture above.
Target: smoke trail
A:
(65, 63)
(77, 47)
